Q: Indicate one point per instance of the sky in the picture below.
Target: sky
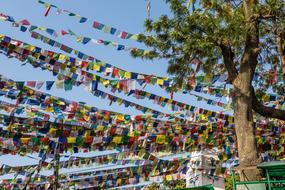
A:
(127, 15)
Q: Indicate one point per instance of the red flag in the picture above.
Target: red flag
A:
(124, 35)
(31, 84)
(47, 10)
(24, 22)
(96, 25)
(110, 97)
(64, 32)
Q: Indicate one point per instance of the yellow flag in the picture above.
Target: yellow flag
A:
(120, 117)
(208, 78)
(52, 131)
(71, 140)
(120, 101)
(107, 29)
(127, 75)
(87, 133)
(265, 98)
(86, 117)
(169, 101)
(61, 103)
(25, 140)
(225, 157)
(119, 181)
(204, 117)
(146, 52)
(131, 134)
(59, 84)
(79, 39)
(168, 178)
(49, 109)
(96, 67)
(30, 48)
(160, 81)
(134, 37)
(62, 57)
(100, 128)
(160, 139)
(117, 140)
(178, 127)
(41, 28)
(106, 82)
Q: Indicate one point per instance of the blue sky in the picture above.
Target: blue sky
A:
(128, 15)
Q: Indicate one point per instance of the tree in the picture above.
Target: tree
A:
(239, 37)
(153, 186)
(175, 184)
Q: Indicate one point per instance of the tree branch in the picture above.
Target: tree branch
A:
(265, 111)
(228, 56)
(281, 51)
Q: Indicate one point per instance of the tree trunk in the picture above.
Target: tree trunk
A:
(244, 126)
(242, 100)
(281, 52)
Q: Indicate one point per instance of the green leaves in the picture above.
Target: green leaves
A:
(187, 35)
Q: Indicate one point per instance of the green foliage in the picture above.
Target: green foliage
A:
(153, 186)
(196, 34)
(228, 182)
(176, 184)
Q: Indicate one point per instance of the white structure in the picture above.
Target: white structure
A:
(201, 170)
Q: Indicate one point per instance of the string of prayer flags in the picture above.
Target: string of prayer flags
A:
(110, 130)
(31, 144)
(122, 175)
(151, 78)
(67, 105)
(128, 88)
(106, 70)
(57, 130)
(95, 65)
(142, 94)
(261, 133)
(80, 39)
(120, 101)
(161, 139)
(96, 25)
(68, 49)
(126, 103)
(16, 109)
(138, 126)
(107, 181)
(102, 94)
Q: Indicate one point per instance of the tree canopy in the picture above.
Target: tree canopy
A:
(244, 39)
(213, 34)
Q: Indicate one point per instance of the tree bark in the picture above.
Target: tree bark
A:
(242, 100)
(281, 51)
(244, 127)
(266, 111)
